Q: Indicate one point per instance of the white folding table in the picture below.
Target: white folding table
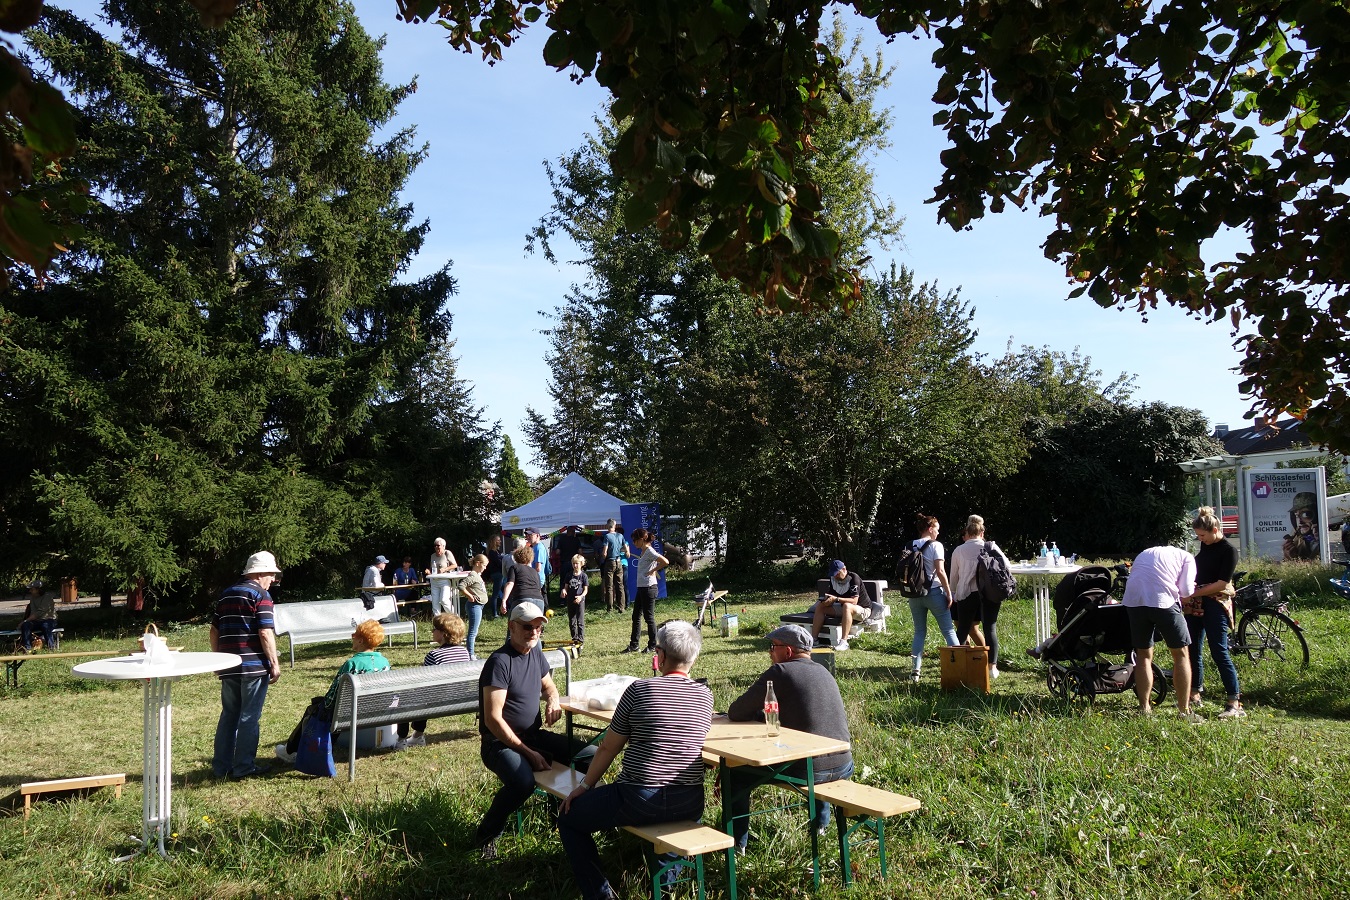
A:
(158, 726)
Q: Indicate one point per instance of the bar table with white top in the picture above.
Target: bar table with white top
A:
(158, 725)
(445, 585)
(1040, 593)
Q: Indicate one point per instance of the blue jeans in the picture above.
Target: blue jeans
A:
(516, 776)
(497, 581)
(936, 603)
(28, 626)
(241, 703)
(741, 780)
(614, 805)
(474, 612)
(1214, 626)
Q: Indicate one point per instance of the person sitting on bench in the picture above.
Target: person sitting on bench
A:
(844, 599)
(40, 616)
(365, 658)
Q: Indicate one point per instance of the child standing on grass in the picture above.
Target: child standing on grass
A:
(475, 592)
(574, 595)
(447, 633)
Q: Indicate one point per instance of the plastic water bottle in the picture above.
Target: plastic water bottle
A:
(771, 709)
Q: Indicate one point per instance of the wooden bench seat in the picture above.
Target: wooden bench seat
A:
(684, 839)
(33, 789)
(870, 807)
(15, 662)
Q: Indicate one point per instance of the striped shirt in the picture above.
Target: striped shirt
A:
(666, 721)
(242, 612)
(444, 656)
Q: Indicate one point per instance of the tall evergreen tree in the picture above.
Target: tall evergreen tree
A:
(216, 369)
(513, 488)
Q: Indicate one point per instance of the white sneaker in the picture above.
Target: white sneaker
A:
(417, 740)
(401, 744)
(283, 755)
(993, 673)
(841, 647)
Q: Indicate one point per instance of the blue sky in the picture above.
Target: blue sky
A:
(483, 186)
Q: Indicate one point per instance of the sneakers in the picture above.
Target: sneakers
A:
(401, 744)
(1191, 717)
(993, 673)
(914, 676)
(1034, 652)
(841, 646)
(1197, 701)
(488, 852)
(418, 740)
(631, 648)
(651, 649)
(283, 754)
(1233, 711)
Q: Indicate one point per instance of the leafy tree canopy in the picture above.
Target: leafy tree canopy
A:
(1142, 129)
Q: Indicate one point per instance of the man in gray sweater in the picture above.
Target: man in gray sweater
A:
(808, 700)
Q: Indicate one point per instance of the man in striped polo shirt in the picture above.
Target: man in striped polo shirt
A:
(242, 624)
(662, 722)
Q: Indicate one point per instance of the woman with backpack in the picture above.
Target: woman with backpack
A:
(972, 608)
(938, 600)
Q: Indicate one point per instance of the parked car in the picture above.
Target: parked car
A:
(1230, 521)
(789, 543)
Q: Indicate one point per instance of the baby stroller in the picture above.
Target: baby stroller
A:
(1092, 627)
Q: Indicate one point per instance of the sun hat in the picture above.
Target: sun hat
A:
(527, 612)
(794, 636)
(262, 563)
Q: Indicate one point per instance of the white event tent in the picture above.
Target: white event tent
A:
(573, 501)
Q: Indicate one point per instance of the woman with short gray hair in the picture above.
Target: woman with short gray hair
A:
(663, 722)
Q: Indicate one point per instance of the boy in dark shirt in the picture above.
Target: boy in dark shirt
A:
(574, 595)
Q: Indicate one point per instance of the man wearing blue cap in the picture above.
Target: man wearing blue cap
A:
(844, 600)
(808, 700)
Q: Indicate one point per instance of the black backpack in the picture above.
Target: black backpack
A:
(993, 578)
(909, 571)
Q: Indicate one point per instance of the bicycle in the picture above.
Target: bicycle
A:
(1267, 635)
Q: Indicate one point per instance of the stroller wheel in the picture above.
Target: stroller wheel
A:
(1159, 692)
(1082, 687)
(1057, 680)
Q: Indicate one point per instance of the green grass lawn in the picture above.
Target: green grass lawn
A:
(1023, 796)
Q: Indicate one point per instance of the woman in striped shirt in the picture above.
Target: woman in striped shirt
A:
(660, 724)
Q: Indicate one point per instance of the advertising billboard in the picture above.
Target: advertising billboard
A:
(1284, 510)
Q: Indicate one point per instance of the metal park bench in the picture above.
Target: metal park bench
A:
(328, 621)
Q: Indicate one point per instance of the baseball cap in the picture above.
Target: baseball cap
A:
(527, 612)
(531, 531)
(794, 636)
(380, 559)
(262, 563)
(836, 567)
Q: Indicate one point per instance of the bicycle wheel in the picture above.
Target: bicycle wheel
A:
(1273, 642)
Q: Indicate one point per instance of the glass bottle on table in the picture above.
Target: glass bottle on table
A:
(771, 709)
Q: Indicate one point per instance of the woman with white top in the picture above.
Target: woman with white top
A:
(972, 608)
(938, 600)
(442, 560)
(644, 605)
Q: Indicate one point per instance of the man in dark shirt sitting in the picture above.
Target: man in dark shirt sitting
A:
(514, 742)
(808, 700)
(845, 599)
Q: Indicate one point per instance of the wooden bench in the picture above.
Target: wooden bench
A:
(870, 806)
(13, 663)
(14, 634)
(32, 790)
(687, 840)
(373, 699)
(875, 591)
(327, 621)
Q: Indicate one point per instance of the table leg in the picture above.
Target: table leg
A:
(1040, 586)
(810, 823)
(157, 766)
(728, 827)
